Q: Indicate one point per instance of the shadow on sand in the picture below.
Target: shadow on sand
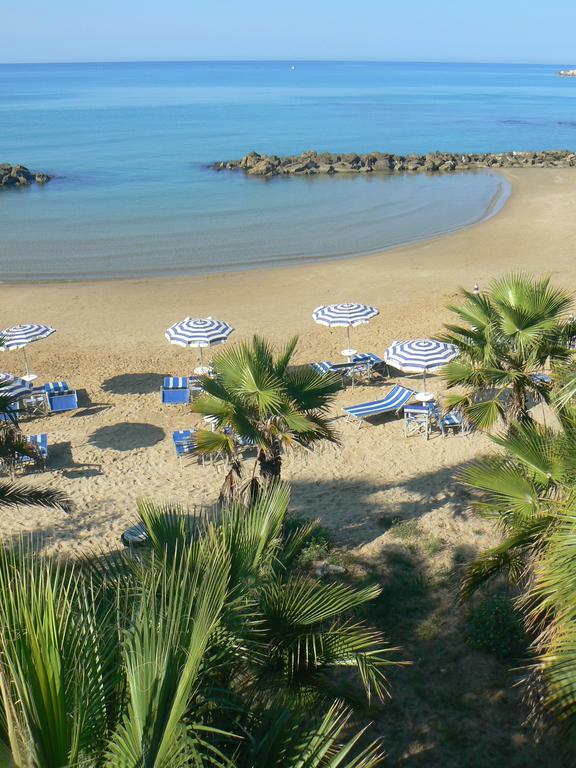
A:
(133, 384)
(126, 436)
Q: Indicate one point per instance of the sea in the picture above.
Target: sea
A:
(131, 144)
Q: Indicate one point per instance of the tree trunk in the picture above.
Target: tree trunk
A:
(270, 465)
(519, 409)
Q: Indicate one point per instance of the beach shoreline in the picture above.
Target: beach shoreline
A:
(110, 345)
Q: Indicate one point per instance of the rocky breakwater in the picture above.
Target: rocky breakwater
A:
(311, 163)
(20, 176)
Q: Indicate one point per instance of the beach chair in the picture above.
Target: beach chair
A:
(451, 421)
(195, 386)
(418, 419)
(174, 390)
(40, 442)
(343, 369)
(184, 442)
(55, 387)
(394, 401)
(66, 400)
(368, 364)
(35, 403)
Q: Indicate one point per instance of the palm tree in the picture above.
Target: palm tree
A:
(506, 336)
(207, 649)
(530, 490)
(256, 396)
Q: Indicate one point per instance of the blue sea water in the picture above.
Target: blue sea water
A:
(130, 144)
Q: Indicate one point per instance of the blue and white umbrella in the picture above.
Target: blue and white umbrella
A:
(420, 355)
(199, 332)
(344, 315)
(15, 389)
(19, 336)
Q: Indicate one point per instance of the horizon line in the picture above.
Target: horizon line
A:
(281, 61)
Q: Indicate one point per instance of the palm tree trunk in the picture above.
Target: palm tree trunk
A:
(519, 407)
(270, 465)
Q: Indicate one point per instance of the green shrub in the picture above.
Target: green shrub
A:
(495, 626)
(317, 547)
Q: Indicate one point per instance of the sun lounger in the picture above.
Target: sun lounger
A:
(56, 387)
(40, 442)
(184, 442)
(370, 363)
(174, 390)
(394, 401)
(350, 369)
(64, 401)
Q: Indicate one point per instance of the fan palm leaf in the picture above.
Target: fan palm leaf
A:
(506, 336)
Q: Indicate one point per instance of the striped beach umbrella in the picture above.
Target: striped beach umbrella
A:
(19, 336)
(16, 388)
(420, 355)
(344, 315)
(199, 332)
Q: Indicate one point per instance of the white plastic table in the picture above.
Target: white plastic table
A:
(202, 370)
(30, 377)
(349, 354)
(424, 397)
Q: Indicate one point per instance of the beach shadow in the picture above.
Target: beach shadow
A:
(370, 514)
(133, 383)
(453, 706)
(60, 458)
(127, 436)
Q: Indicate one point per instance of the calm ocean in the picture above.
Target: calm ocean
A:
(130, 143)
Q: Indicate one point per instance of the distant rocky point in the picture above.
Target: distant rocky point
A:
(20, 176)
(567, 73)
(312, 163)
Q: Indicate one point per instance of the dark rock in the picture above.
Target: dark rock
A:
(311, 162)
(20, 176)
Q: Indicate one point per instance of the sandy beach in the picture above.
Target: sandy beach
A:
(110, 345)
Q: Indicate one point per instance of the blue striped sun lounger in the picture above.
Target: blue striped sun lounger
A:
(394, 401)
(175, 390)
(56, 387)
(322, 367)
(184, 442)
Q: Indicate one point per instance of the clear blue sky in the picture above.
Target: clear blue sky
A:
(429, 30)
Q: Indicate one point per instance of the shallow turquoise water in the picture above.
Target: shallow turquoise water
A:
(130, 144)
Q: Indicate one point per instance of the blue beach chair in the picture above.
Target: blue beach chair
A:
(60, 397)
(418, 419)
(40, 442)
(369, 364)
(184, 442)
(394, 401)
(175, 391)
(453, 420)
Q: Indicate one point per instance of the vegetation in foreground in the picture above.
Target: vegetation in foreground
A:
(209, 648)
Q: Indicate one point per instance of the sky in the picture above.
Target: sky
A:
(380, 30)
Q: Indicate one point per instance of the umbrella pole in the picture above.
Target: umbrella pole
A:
(26, 361)
(348, 334)
(201, 357)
